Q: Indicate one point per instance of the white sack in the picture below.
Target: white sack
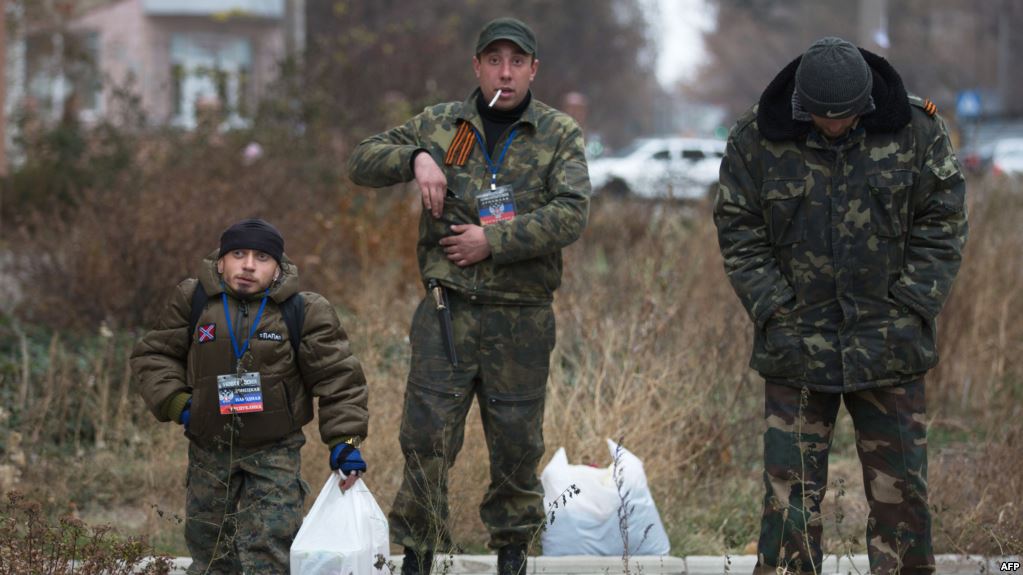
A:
(587, 523)
(343, 533)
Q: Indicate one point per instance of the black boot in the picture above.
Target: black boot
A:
(511, 559)
(417, 563)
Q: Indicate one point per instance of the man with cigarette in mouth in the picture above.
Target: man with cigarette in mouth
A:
(504, 188)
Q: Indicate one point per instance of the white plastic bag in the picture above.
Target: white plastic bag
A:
(587, 523)
(343, 534)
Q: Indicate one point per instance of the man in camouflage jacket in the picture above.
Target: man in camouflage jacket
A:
(841, 219)
(245, 492)
(499, 261)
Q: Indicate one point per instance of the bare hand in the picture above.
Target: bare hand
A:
(468, 246)
(432, 183)
(350, 480)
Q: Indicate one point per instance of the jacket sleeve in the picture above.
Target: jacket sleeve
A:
(560, 221)
(743, 237)
(159, 358)
(386, 158)
(934, 248)
(332, 373)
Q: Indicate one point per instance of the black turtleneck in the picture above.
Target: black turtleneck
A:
(495, 121)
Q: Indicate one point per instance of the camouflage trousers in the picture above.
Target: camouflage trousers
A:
(503, 354)
(244, 506)
(891, 440)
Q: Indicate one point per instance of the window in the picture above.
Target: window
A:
(63, 74)
(244, 109)
(177, 86)
(210, 70)
(82, 67)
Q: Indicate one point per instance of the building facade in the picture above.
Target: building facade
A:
(176, 56)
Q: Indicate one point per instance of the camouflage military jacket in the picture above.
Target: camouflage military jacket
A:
(842, 252)
(545, 167)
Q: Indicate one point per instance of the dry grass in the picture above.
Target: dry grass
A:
(652, 347)
(31, 543)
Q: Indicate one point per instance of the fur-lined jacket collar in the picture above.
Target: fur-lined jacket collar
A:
(892, 111)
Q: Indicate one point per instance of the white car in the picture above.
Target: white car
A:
(1007, 157)
(681, 168)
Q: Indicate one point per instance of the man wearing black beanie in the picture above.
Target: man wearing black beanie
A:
(236, 357)
(254, 234)
(841, 217)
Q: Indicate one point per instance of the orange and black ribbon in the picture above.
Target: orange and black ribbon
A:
(461, 146)
(930, 107)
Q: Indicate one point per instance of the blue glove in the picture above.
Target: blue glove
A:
(346, 458)
(186, 414)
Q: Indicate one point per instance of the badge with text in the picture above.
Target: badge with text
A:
(496, 206)
(240, 393)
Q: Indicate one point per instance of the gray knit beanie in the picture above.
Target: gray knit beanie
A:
(833, 80)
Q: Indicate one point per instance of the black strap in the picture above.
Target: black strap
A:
(199, 298)
(293, 310)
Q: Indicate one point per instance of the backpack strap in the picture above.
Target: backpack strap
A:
(293, 310)
(199, 299)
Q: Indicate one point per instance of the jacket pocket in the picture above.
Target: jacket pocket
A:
(456, 211)
(529, 200)
(205, 408)
(778, 348)
(784, 210)
(889, 195)
(909, 341)
(274, 422)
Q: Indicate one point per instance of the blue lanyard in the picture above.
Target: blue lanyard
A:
(230, 329)
(494, 168)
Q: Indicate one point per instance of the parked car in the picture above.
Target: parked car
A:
(1007, 157)
(976, 158)
(682, 168)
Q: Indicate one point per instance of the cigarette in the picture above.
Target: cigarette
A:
(494, 101)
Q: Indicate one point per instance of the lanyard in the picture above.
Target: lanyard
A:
(494, 168)
(230, 330)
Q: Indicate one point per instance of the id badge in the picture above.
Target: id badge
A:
(495, 206)
(241, 393)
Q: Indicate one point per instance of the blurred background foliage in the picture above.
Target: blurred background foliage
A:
(382, 61)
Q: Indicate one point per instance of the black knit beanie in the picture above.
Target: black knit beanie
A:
(253, 234)
(833, 80)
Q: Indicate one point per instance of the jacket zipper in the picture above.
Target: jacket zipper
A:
(243, 328)
(486, 171)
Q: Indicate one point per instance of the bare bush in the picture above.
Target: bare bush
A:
(31, 543)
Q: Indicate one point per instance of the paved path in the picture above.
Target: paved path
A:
(692, 565)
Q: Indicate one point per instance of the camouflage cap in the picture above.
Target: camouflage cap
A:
(507, 29)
